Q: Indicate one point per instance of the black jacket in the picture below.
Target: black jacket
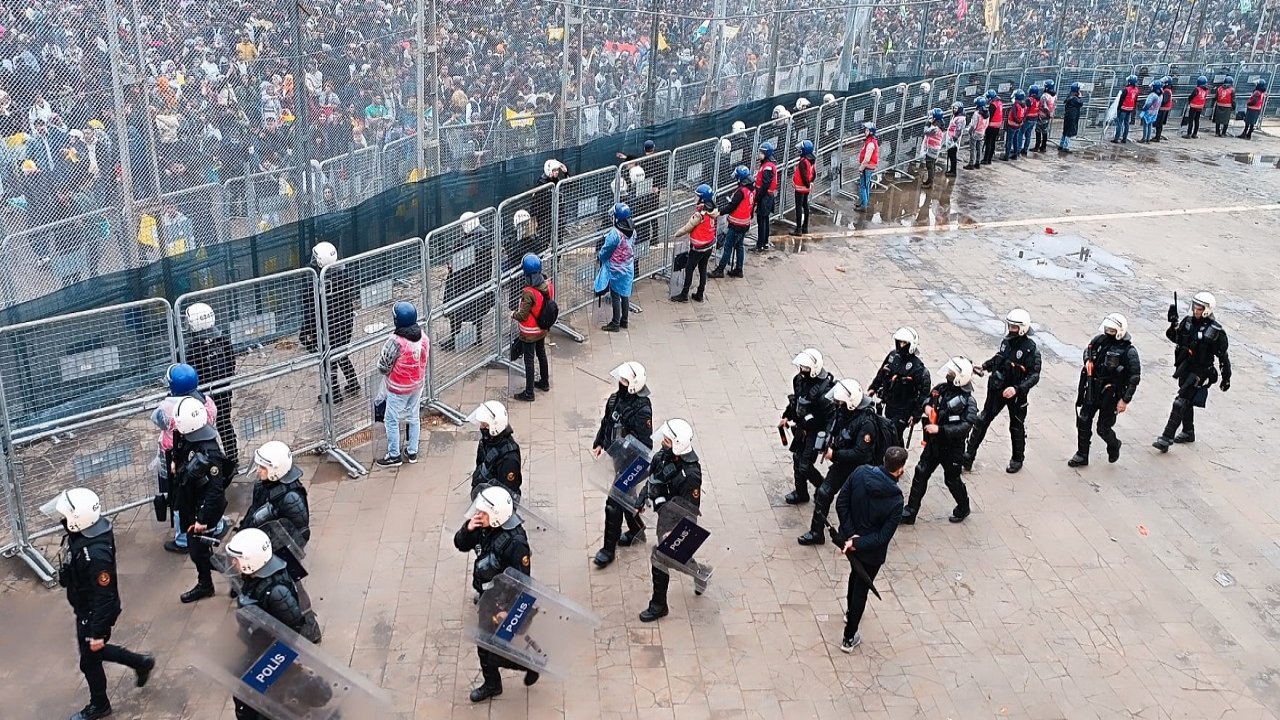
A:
(211, 354)
(1111, 372)
(285, 501)
(852, 440)
(88, 572)
(808, 407)
(674, 477)
(498, 463)
(1016, 364)
(274, 591)
(626, 414)
(956, 412)
(869, 506)
(1198, 343)
(198, 492)
(1071, 116)
(903, 384)
(496, 550)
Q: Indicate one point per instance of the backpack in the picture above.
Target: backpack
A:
(549, 313)
(885, 435)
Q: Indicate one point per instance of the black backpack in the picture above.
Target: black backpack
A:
(885, 435)
(549, 313)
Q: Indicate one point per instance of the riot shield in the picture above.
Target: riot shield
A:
(676, 549)
(625, 478)
(679, 269)
(530, 624)
(286, 546)
(277, 672)
(377, 384)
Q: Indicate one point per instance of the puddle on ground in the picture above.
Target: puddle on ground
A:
(1069, 258)
(1257, 160)
(970, 313)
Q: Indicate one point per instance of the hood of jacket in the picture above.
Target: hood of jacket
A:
(413, 333)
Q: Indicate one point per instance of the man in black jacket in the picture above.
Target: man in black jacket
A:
(1108, 381)
(198, 469)
(869, 507)
(903, 381)
(1015, 370)
(627, 413)
(88, 572)
(948, 416)
(808, 412)
(211, 354)
(279, 495)
(1199, 340)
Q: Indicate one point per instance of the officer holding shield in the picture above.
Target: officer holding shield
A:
(498, 454)
(676, 473)
(627, 413)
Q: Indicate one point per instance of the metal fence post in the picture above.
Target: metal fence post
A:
(127, 198)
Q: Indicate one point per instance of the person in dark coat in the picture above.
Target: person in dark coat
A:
(1071, 118)
(340, 304)
(470, 266)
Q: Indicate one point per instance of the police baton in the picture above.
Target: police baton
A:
(858, 568)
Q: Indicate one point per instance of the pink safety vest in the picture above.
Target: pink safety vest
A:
(409, 372)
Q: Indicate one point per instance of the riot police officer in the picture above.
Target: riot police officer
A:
(88, 572)
(949, 414)
(268, 585)
(808, 411)
(675, 473)
(211, 354)
(850, 444)
(182, 381)
(278, 494)
(903, 381)
(1015, 369)
(340, 300)
(198, 469)
(1199, 339)
(1108, 380)
(493, 530)
(498, 453)
(627, 412)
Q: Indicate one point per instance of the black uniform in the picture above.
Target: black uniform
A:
(340, 305)
(810, 410)
(199, 496)
(496, 550)
(672, 477)
(88, 572)
(211, 354)
(1197, 342)
(284, 501)
(852, 444)
(955, 412)
(273, 590)
(1015, 365)
(498, 463)
(1111, 373)
(903, 384)
(625, 414)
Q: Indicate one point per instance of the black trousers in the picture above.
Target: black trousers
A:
(614, 513)
(1184, 410)
(1017, 422)
(662, 581)
(764, 208)
(201, 555)
(697, 260)
(951, 159)
(538, 348)
(490, 663)
(989, 143)
(226, 428)
(1193, 121)
(91, 662)
(803, 471)
(949, 458)
(1161, 118)
(802, 212)
(1106, 412)
(857, 597)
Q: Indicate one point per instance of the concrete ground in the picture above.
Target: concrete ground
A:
(1149, 588)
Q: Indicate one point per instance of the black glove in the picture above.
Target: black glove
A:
(1173, 313)
(1226, 384)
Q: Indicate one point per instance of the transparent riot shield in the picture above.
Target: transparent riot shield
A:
(287, 546)
(377, 384)
(679, 269)
(676, 547)
(625, 477)
(280, 674)
(530, 624)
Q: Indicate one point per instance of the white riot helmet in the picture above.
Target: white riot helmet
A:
(521, 217)
(1206, 301)
(550, 167)
(726, 147)
(780, 112)
(1117, 322)
(251, 549)
(1019, 321)
(632, 373)
(680, 433)
(802, 104)
(491, 413)
(79, 507)
(849, 392)
(470, 223)
(636, 174)
(810, 359)
(909, 336)
(828, 99)
(276, 457)
(324, 254)
(495, 502)
(739, 126)
(190, 416)
(200, 317)
(959, 370)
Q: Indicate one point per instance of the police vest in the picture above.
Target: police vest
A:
(410, 370)
(1049, 103)
(742, 217)
(491, 456)
(1130, 98)
(1166, 103)
(773, 184)
(802, 178)
(1105, 366)
(872, 145)
(1034, 109)
(704, 234)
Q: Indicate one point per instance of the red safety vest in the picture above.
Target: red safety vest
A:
(997, 112)
(1197, 98)
(872, 144)
(1033, 111)
(1256, 100)
(704, 235)
(773, 186)
(529, 326)
(410, 370)
(742, 216)
(1167, 102)
(1225, 96)
(802, 178)
(1129, 100)
(1017, 113)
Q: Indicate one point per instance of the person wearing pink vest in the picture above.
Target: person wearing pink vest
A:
(404, 363)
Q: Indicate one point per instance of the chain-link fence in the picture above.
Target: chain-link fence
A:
(583, 207)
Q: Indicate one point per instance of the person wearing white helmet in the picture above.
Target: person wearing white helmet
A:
(210, 352)
(1200, 339)
(802, 104)
(1015, 370)
(828, 99)
(498, 454)
(674, 474)
(780, 112)
(627, 413)
(340, 300)
(278, 494)
(494, 531)
(1108, 381)
(902, 383)
(182, 381)
(470, 265)
(853, 439)
(553, 171)
(738, 126)
(88, 572)
(948, 415)
(808, 413)
(198, 469)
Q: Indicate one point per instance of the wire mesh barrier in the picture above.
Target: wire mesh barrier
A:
(740, 147)
(526, 225)
(645, 185)
(858, 111)
(583, 206)
(832, 151)
(803, 127)
(775, 133)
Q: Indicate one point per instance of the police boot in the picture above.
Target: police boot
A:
(603, 557)
(92, 711)
(1078, 459)
(1185, 437)
(796, 498)
(1113, 451)
(682, 297)
(654, 612)
(1162, 444)
(966, 462)
(492, 686)
(199, 592)
(810, 538)
(1014, 466)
